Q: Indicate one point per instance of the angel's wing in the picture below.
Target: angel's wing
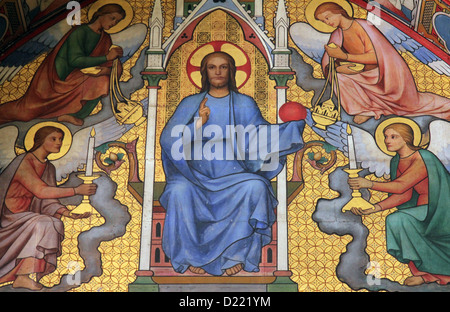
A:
(309, 40)
(335, 135)
(404, 43)
(130, 39)
(7, 145)
(440, 141)
(312, 42)
(105, 131)
(367, 152)
(34, 47)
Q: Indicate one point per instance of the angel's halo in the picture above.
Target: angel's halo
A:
(379, 132)
(123, 23)
(319, 25)
(67, 142)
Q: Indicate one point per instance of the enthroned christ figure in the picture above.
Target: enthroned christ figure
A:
(220, 206)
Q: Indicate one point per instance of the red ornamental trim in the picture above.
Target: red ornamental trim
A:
(145, 273)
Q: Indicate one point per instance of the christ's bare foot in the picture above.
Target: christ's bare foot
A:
(414, 281)
(234, 269)
(360, 119)
(24, 281)
(196, 270)
(70, 119)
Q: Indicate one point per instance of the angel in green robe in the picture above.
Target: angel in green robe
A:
(418, 233)
(61, 88)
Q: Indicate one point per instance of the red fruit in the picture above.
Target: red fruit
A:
(290, 111)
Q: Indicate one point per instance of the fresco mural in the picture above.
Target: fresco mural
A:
(224, 145)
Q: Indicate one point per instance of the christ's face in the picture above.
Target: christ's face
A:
(218, 71)
(329, 18)
(53, 142)
(393, 140)
(110, 20)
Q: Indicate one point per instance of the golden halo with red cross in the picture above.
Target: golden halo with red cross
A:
(241, 59)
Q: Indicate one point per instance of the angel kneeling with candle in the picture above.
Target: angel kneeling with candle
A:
(31, 231)
(417, 233)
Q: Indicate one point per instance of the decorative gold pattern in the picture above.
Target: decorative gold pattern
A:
(313, 255)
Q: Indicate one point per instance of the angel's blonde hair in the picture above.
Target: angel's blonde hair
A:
(407, 133)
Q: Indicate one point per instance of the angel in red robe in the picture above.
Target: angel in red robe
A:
(31, 231)
(385, 85)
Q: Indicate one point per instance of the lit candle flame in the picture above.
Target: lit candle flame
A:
(93, 132)
(349, 130)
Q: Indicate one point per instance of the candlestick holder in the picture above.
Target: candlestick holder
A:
(357, 201)
(85, 205)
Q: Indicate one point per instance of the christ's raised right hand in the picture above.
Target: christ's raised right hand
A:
(204, 112)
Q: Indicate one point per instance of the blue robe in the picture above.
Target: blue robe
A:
(219, 212)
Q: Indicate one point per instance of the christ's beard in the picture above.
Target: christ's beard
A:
(219, 85)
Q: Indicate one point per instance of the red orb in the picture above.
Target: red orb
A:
(290, 111)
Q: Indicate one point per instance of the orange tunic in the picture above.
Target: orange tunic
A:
(31, 232)
(386, 89)
(411, 175)
(356, 41)
(27, 184)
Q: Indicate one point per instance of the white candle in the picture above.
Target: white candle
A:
(351, 149)
(90, 154)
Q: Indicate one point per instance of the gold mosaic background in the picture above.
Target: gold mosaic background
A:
(313, 255)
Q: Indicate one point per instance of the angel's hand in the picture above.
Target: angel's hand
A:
(336, 52)
(80, 215)
(358, 183)
(68, 214)
(346, 69)
(360, 212)
(114, 53)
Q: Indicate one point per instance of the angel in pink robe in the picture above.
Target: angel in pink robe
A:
(31, 231)
(385, 85)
